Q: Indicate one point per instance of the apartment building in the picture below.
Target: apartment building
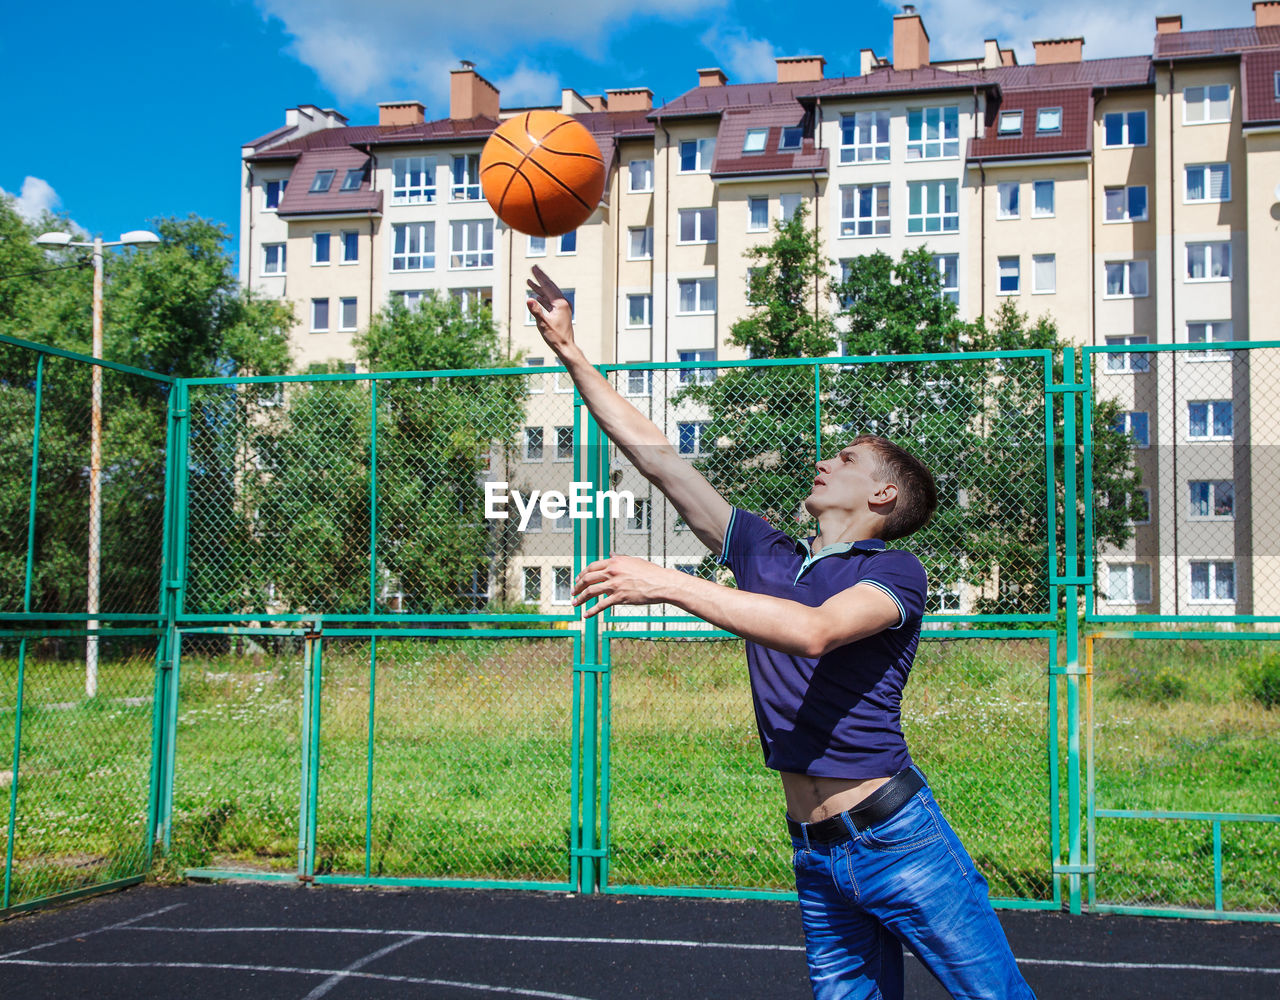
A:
(1131, 198)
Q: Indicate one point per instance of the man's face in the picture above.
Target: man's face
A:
(846, 482)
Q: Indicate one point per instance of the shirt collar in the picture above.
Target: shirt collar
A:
(805, 547)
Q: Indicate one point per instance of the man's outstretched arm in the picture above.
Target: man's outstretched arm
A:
(641, 440)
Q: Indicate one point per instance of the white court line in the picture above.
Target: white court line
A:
(97, 930)
(668, 943)
(518, 991)
(359, 963)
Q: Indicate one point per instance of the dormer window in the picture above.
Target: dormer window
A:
(755, 141)
(1049, 121)
(791, 138)
(320, 183)
(353, 179)
(1010, 123)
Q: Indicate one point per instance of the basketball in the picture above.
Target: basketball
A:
(542, 173)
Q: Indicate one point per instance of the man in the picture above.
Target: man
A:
(832, 624)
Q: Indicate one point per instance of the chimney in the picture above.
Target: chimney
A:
(1059, 50)
(573, 103)
(633, 99)
(597, 102)
(910, 40)
(991, 54)
(1008, 57)
(713, 77)
(868, 62)
(800, 69)
(401, 113)
(470, 94)
(1266, 13)
(1167, 24)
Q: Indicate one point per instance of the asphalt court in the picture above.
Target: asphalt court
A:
(259, 940)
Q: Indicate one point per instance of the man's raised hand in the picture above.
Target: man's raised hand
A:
(551, 311)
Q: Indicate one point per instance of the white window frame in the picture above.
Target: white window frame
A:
(699, 431)
(647, 299)
(342, 239)
(1131, 267)
(535, 383)
(281, 185)
(1041, 129)
(1119, 363)
(527, 443)
(1127, 203)
(637, 382)
(1145, 493)
(645, 234)
(944, 262)
(328, 319)
(700, 218)
(318, 187)
(343, 326)
(1009, 267)
(946, 119)
(469, 188)
(692, 376)
(560, 455)
(1212, 495)
(641, 519)
(283, 259)
(795, 199)
(755, 142)
(877, 149)
(1205, 103)
(1206, 251)
(700, 296)
(1208, 334)
(567, 244)
(1126, 420)
(1133, 596)
(1126, 127)
(561, 584)
(788, 131)
(1040, 258)
(1211, 581)
(317, 241)
(531, 573)
(403, 190)
(473, 296)
(1009, 123)
(752, 202)
(1036, 188)
(1211, 407)
(461, 232)
(1008, 194)
(536, 246)
(426, 234)
(854, 222)
(646, 174)
(703, 156)
(1209, 169)
(947, 222)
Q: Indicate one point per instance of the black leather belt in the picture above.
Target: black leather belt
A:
(875, 808)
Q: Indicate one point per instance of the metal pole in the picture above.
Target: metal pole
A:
(95, 482)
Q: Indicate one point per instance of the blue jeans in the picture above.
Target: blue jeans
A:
(906, 880)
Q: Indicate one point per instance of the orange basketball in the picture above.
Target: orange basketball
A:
(542, 173)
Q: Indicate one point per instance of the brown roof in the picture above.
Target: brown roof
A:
(926, 79)
(731, 161)
(298, 198)
(1258, 74)
(702, 102)
(1127, 71)
(1076, 135)
(1216, 43)
(325, 138)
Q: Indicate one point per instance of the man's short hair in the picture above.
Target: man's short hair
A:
(917, 492)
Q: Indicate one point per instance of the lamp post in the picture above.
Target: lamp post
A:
(136, 237)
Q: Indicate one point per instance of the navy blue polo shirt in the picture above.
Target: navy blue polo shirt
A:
(838, 715)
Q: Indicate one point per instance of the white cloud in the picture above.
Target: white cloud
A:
(37, 199)
(367, 50)
(745, 59)
(527, 86)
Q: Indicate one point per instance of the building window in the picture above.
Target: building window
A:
(1209, 420)
(1143, 498)
(697, 225)
(864, 210)
(1008, 204)
(321, 182)
(413, 180)
(1010, 271)
(347, 314)
(1277, 85)
(1010, 123)
(792, 138)
(273, 258)
(536, 383)
(1126, 204)
(353, 179)
(755, 140)
(640, 515)
(864, 137)
(1201, 105)
(1048, 121)
(1209, 332)
(471, 244)
(757, 215)
(948, 265)
(640, 243)
(570, 296)
(1124, 128)
(789, 204)
(319, 248)
(689, 376)
(473, 298)
(933, 133)
(640, 176)
(1208, 182)
(1126, 279)
(537, 247)
(1044, 273)
(1122, 362)
(1212, 500)
(533, 444)
(640, 310)
(319, 315)
(1213, 582)
(933, 207)
(413, 246)
(1129, 583)
(350, 247)
(466, 178)
(562, 582)
(697, 295)
(639, 382)
(1208, 261)
(271, 193)
(1043, 201)
(532, 584)
(689, 437)
(564, 443)
(413, 299)
(568, 244)
(696, 155)
(1135, 423)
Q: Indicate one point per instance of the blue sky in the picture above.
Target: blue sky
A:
(120, 114)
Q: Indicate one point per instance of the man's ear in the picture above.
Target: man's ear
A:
(887, 493)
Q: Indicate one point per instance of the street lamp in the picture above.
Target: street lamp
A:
(136, 237)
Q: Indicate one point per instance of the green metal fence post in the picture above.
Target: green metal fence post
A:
(587, 671)
(1072, 595)
(309, 754)
(13, 780)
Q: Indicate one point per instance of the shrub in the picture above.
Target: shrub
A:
(1262, 681)
(1155, 684)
